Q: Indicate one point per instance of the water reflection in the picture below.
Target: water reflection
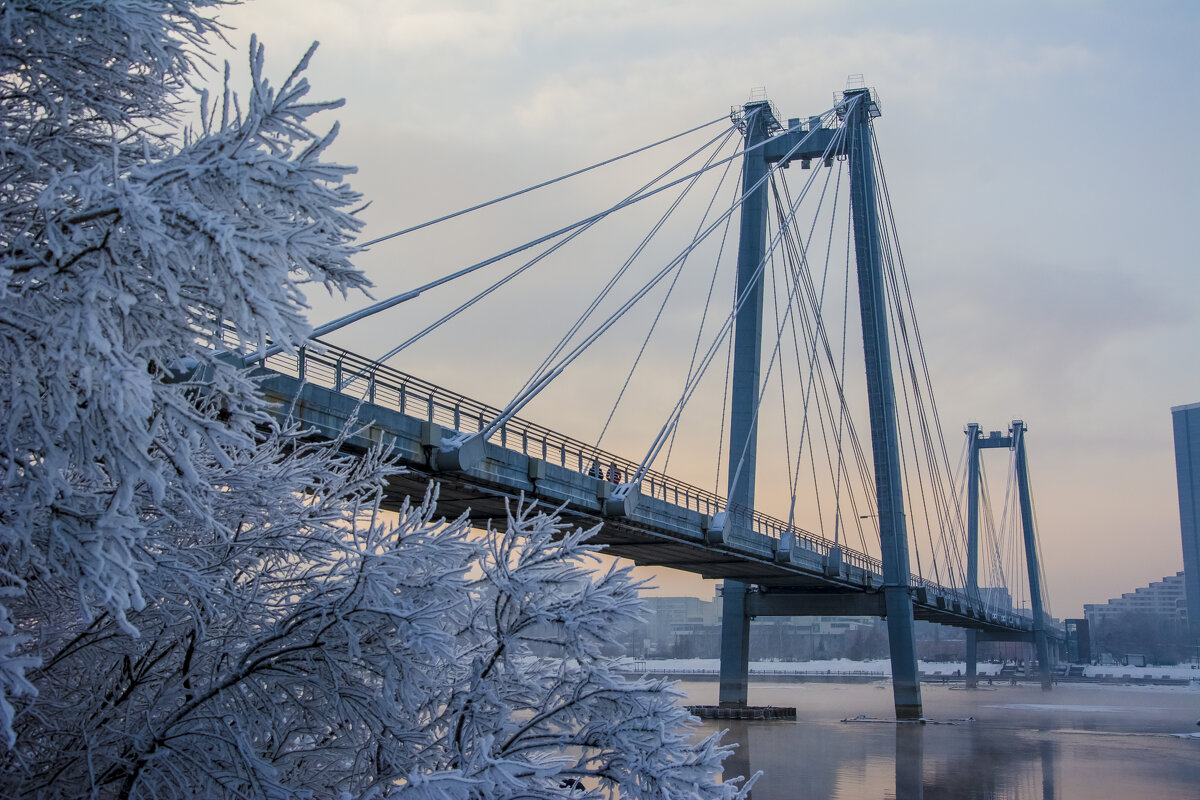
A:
(1013, 750)
(823, 761)
(910, 761)
(1047, 749)
(739, 763)
(992, 765)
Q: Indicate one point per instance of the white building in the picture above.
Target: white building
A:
(1165, 599)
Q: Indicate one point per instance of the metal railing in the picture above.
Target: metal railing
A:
(343, 371)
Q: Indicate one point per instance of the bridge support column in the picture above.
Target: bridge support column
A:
(881, 400)
(1031, 555)
(972, 546)
(902, 644)
(735, 645)
(972, 659)
(743, 418)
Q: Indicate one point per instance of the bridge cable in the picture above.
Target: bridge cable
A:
(788, 321)
(1037, 539)
(842, 418)
(724, 407)
(895, 270)
(535, 385)
(403, 297)
(690, 388)
(813, 333)
(541, 185)
(865, 473)
(787, 446)
(1012, 519)
(899, 343)
(544, 254)
(612, 281)
(693, 382)
(904, 462)
(700, 332)
(998, 572)
(662, 306)
(961, 486)
(544, 373)
(889, 215)
(799, 264)
(524, 397)
(836, 139)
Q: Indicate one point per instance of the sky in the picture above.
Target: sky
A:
(1040, 157)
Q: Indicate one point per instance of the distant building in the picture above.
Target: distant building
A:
(1163, 600)
(1186, 421)
(1079, 640)
(673, 620)
(688, 627)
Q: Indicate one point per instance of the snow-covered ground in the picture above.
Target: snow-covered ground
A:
(883, 668)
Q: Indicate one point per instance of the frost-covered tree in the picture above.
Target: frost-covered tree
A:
(122, 243)
(197, 600)
(308, 646)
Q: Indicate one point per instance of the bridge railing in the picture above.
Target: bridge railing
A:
(348, 373)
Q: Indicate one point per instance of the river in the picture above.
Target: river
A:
(1078, 742)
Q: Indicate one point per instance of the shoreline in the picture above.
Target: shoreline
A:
(844, 671)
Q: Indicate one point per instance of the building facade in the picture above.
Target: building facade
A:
(1163, 600)
(1186, 422)
(688, 627)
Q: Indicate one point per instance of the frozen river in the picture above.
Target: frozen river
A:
(1078, 742)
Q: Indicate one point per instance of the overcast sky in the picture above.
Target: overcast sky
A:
(1041, 158)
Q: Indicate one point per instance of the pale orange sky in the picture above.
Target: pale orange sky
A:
(1052, 261)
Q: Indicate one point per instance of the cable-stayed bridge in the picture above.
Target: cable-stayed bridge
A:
(483, 456)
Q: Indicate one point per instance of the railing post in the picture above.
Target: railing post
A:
(301, 356)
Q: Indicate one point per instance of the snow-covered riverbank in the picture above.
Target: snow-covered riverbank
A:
(883, 668)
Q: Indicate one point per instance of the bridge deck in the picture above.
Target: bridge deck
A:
(671, 524)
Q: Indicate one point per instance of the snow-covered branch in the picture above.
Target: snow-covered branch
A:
(200, 599)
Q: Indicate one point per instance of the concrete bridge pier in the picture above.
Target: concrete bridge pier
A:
(735, 645)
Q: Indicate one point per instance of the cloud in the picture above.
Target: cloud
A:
(1040, 165)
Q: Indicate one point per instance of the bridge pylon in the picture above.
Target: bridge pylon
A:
(881, 401)
(1015, 440)
(1031, 554)
(758, 124)
(973, 447)
(808, 142)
